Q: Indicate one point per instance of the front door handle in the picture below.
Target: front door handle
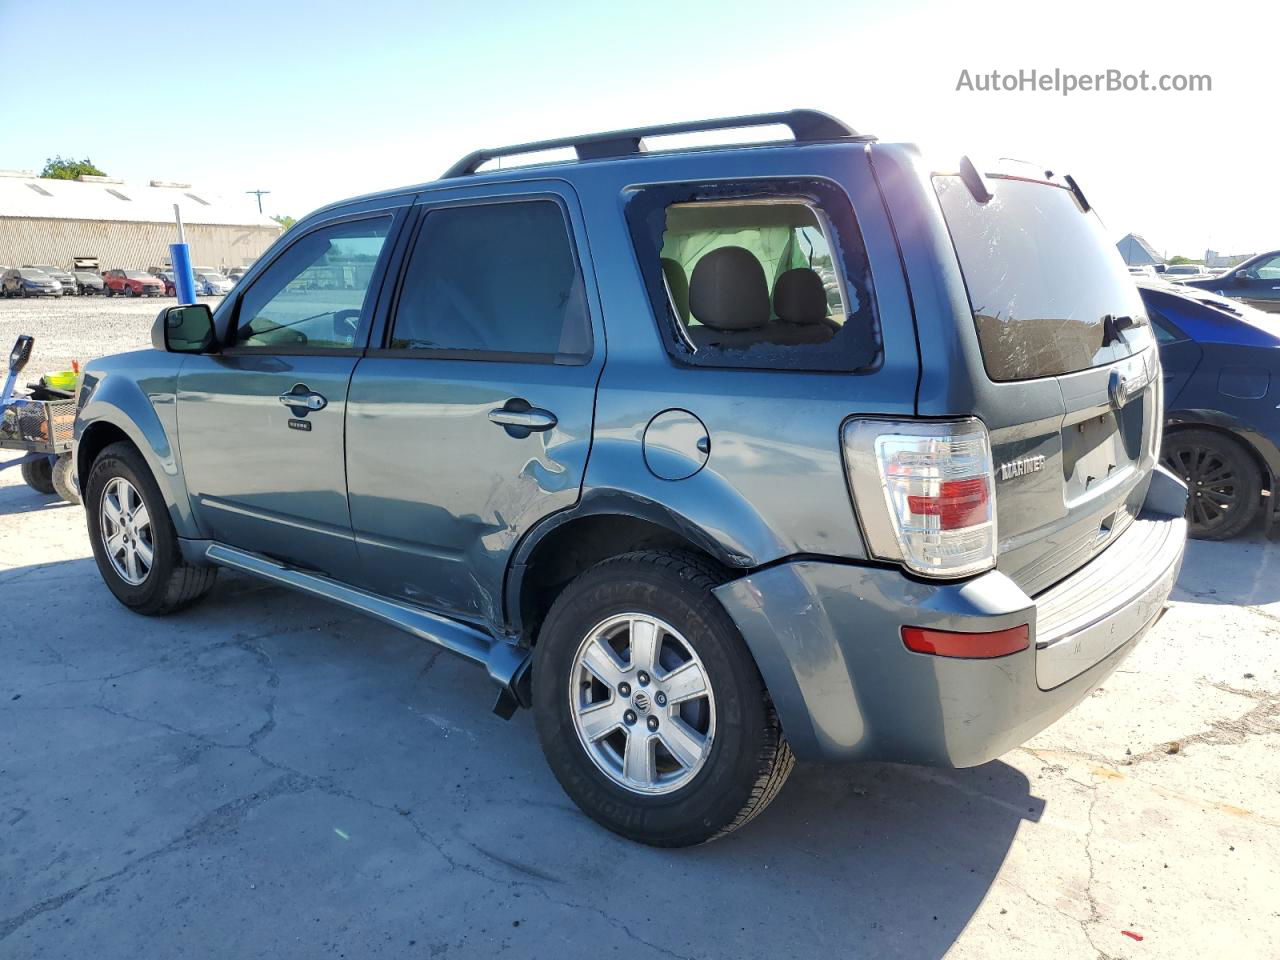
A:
(531, 418)
(300, 396)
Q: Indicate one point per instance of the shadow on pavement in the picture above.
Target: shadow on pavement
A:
(129, 740)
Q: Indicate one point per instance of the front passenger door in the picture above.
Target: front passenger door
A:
(261, 423)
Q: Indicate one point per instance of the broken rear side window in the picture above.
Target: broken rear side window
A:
(757, 277)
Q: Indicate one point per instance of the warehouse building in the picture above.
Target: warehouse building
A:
(105, 222)
(1137, 252)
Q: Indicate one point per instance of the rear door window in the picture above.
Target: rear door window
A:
(1049, 292)
(494, 281)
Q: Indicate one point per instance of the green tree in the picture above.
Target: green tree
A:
(1182, 260)
(64, 168)
(285, 220)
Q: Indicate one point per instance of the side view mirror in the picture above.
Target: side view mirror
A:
(184, 329)
(1241, 275)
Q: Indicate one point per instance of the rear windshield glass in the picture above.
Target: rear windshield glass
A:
(1049, 292)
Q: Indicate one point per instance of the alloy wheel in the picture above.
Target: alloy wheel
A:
(642, 704)
(125, 526)
(1210, 478)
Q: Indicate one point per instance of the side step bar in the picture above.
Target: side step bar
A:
(507, 664)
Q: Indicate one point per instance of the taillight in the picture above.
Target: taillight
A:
(938, 485)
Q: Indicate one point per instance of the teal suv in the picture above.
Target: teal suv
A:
(716, 458)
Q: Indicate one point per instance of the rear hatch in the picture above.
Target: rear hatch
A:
(1070, 390)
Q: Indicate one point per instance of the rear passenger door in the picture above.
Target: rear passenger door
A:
(470, 418)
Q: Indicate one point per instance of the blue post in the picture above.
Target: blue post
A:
(184, 280)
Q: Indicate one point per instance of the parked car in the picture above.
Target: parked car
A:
(1146, 270)
(235, 273)
(1221, 362)
(1181, 271)
(62, 276)
(213, 284)
(1256, 281)
(88, 283)
(29, 282)
(760, 530)
(133, 283)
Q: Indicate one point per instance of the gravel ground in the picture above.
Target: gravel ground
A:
(79, 328)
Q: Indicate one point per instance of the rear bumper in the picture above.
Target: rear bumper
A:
(827, 639)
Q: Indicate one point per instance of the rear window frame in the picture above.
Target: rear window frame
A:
(838, 219)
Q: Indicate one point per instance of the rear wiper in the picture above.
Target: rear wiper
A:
(1111, 327)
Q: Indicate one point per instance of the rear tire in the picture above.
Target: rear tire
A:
(168, 584)
(38, 475)
(1223, 480)
(735, 759)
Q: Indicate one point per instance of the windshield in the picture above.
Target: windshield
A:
(1049, 292)
(139, 275)
(31, 273)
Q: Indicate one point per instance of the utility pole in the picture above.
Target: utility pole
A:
(259, 194)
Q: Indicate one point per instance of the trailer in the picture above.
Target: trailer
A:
(41, 426)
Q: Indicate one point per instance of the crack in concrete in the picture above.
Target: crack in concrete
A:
(228, 816)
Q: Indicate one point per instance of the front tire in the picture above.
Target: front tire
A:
(1223, 481)
(133, 539)
(649, 707)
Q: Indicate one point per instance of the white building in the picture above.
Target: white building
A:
(123, 225)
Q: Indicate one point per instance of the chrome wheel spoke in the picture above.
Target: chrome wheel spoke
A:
(601, 661)
(646, 636)
(599, 720)
(141, 519)
(638, 760)
(145, 554)
(686, 682)
(683, 744)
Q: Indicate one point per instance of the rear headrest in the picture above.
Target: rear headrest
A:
(728, 290)
(799, 297)
(678, 283)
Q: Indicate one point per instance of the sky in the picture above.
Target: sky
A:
(317, 101)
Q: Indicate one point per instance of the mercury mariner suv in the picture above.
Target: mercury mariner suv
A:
(716, 458)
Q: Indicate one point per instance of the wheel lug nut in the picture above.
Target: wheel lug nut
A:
(660, 699)
(653, 723)
(629, 717)
(642, 677)
(624, 689)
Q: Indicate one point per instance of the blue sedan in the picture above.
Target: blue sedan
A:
(1221, 363)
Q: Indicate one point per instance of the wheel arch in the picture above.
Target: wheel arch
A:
(117, 410)
(1264, 451)
(605, 525)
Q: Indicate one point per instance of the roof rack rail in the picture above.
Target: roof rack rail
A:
(806, 125)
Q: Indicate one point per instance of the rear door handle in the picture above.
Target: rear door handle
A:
(310, 400)
(532, 419)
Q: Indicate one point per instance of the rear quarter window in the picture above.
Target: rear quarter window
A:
(771, 276)
(1049, 292)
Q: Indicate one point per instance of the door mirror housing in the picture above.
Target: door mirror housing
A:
(185, 329)
(1241, 275)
